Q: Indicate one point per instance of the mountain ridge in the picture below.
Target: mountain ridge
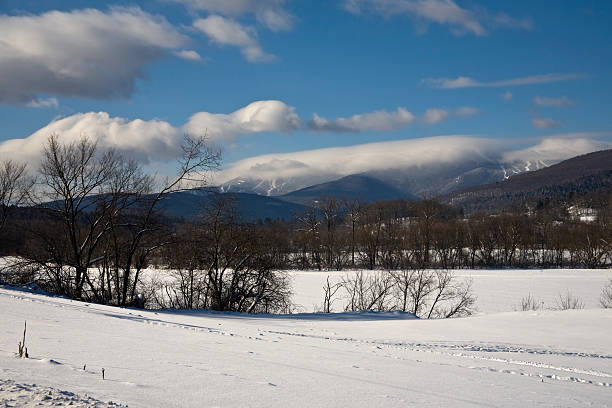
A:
(591, 172)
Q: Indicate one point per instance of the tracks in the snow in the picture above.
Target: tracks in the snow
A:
(484, 352)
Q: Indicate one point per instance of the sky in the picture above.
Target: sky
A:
(265, 77)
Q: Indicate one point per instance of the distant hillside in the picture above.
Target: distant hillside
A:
(579, 175)
(353, 187)
(250, 207)
(407, 181)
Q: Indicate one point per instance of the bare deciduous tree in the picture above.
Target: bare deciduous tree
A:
(15, 187)
(329, 293)
(568, 301)
(530, 303)
(75, 192)
(368, 291)
(606, 296)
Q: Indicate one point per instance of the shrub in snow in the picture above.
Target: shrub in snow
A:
(606, 296)
(424, 293)
(568, 301)
(530, 303)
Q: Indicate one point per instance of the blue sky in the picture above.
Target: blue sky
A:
(509, 70)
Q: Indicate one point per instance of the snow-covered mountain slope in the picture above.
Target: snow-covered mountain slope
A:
(353, 187)
(165, 359)
(583, 174)
(419, 167)
(426, 180)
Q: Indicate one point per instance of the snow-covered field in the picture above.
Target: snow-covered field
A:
(497, 290)
(169, 359)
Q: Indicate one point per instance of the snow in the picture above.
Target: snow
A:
(202, 359)
(13, 394)
(497, 290)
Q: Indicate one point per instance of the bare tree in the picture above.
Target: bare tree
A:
(606, 296)
(15, 188)
(309, 237)
(368, 291)
(422, 286)
(106, 209)
(530, 303)
(568, 301)
(452, 299)
(75, 192)
(240, 269)
(404, 281)
(142, 231)
(329, 291)
(353, 215)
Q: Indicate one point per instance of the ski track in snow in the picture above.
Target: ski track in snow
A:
(440, 348)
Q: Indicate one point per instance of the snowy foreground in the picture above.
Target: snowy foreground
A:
(164, 359)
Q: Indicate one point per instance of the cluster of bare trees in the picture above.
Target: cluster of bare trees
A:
(15, 187)
(93, 210)
(400, 234)
(424, 293)
(222, 264)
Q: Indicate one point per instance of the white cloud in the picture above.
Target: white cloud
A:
(445, 12)
(544, 123)
(260, 116)
(157, 140)
(188, 55)
(225, 31)
(270, 13)
(433, 116)
(507, 96)
(561, 102)
(43, 103)
(326, 164)
(466, 111)
(151, 140)
(305, 168)
(467, 82)
(86, 53)
(504, 20)
(373, 121)
(559, 147)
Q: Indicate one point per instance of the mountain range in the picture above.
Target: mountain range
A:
(406, 182)
(475, 183)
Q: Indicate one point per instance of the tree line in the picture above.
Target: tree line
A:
(402, 234)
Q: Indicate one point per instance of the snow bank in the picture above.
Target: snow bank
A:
(13, 394)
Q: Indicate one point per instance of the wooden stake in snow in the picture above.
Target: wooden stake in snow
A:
(23, 351)
(102, 373)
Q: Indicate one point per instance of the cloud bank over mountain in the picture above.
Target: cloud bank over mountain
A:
(324, 164)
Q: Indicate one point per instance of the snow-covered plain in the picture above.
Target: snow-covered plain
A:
(496, 290)
(176, 359)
